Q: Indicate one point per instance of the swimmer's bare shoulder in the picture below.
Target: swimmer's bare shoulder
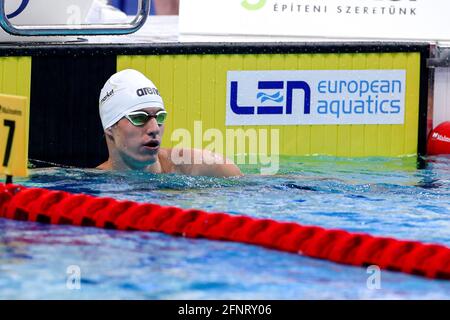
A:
(197, 162)
(104, 166)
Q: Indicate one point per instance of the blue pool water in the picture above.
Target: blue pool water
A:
(386, 197)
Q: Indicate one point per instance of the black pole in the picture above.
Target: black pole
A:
(9, 179)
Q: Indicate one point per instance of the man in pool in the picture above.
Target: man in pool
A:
(133, 114)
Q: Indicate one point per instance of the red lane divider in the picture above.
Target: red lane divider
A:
(59, 207)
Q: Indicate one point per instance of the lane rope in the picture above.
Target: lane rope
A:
(339, 246)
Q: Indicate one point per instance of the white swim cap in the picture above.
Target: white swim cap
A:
(125, 92)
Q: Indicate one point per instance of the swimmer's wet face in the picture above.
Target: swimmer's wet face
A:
(137, 141)
(132, 114)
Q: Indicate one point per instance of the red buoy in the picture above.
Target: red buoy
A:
(439, 140)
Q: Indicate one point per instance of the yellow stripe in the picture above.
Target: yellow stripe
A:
(344, 131)
(357, 131)
(15, 75)
(398, 131)
(332, 136)
(385, 131)
(207, 88)
(221, 68)
(371, 130)
(278, 62)
(291, 134)
(322, 138)
(412, 110)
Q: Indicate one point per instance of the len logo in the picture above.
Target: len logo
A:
(289, 86)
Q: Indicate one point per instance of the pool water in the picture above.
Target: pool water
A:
(380, 196)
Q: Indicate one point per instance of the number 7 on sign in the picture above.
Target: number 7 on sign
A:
(12, 126)
(14, 123)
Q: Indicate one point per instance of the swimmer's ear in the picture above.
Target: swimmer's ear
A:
(108, 132)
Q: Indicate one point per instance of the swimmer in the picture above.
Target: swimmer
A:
(133, 115)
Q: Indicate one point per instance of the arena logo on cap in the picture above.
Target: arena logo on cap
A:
(107, 96)
(315, 97)
(147, 91)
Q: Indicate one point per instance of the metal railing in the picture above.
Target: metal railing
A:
(77, 30)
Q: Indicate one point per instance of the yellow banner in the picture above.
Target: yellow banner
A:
(194, 89)
(14, 129)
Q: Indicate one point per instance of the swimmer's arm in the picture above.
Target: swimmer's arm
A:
(219, 167)
(207, 163)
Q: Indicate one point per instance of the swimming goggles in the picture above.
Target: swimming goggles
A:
(139, 118)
